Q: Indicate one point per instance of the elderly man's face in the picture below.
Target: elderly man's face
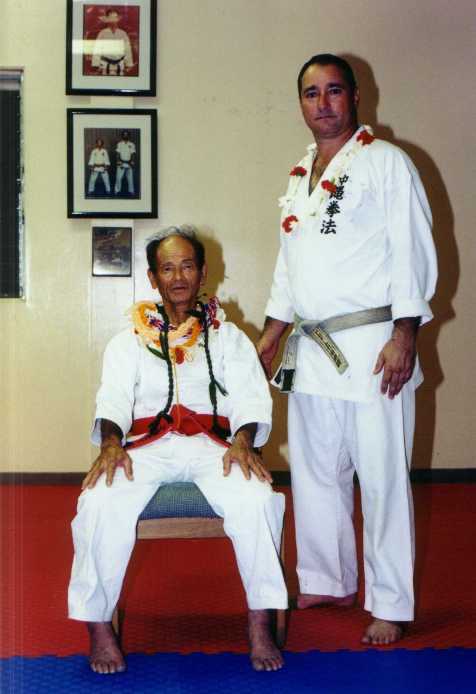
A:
(328, 105)
(177, 277)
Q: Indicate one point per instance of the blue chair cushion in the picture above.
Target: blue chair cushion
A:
(178, 500)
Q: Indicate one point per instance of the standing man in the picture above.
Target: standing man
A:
(355, 243)
(99, 164)
(112, 53)
(125, 161)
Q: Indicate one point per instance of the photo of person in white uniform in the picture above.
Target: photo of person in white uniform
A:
(99, 164)
(112, 52)
(125, 163)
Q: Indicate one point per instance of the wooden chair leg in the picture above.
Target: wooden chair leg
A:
(281, 628)
(281, 615)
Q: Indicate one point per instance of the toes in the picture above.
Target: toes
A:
(269, 664)
(107, 668)
(257, 664)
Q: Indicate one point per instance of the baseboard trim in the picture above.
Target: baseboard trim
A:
(431, 476)
(280, 477)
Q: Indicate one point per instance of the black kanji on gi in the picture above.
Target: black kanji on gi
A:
(332, 208)
(338, 193)
(328, 226)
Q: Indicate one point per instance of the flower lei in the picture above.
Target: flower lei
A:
(331, 190)
(149, 324)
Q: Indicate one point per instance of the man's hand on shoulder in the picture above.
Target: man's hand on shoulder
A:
(241, 452)
(112, 455)
(397, 358)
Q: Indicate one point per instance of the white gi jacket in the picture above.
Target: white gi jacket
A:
(99, 158)
(381, 253)
(125, 150)
(135, 382)
(114, 45)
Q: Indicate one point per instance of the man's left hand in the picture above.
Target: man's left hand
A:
(241, 452)
(397, 358)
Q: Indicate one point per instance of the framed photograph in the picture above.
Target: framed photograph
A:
(111, 48)
(112, 251)
(112, 162)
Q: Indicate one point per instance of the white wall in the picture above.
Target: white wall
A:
(229, 130)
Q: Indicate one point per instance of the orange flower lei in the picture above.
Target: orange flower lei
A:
(148, 323)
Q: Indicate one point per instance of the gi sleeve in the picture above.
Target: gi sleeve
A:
(413, 256)
(248, 397)
(115, 398)
(279, 303)
(128, 59)
(96, 56)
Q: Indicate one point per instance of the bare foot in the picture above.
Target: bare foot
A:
(305, 600)
(105, 656)
(382, 632)
(264, 653)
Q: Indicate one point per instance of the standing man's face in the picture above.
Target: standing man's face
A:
(328, 105)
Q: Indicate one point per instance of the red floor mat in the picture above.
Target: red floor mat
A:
(185, 595)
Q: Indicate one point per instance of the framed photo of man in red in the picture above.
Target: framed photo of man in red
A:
(114, 29)
(111, 48)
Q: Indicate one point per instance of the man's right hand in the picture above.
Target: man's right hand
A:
(267, 347)
(112, 456)
(268, 344)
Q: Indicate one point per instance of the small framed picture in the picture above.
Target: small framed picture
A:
(112, 251)
(112, 163)
(111, 49)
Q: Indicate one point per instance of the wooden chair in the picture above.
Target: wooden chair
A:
(180, 511)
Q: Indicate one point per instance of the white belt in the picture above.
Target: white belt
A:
(319, 332)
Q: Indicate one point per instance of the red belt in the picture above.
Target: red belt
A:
(184, 421)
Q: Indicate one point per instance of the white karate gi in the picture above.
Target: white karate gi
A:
(381, 253)
(135, 385)
(112, 52)
(99, 160)
(125, 150)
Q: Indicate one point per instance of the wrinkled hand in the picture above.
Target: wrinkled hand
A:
(397, 359)
(112, 456)
(241, 452)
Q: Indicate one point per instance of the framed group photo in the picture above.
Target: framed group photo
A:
(112, 163)
(111, 48)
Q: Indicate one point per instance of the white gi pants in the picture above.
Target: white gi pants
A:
(328, 438)
(104, 529)
(120, 171)
(93, 178)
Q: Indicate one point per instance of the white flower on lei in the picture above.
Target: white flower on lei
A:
(337, 168)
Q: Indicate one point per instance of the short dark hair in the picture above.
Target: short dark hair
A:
(184, 232)
(329, 59)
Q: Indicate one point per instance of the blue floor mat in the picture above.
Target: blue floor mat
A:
(370, 672)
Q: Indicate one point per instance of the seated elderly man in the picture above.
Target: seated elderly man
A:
(182, 398)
